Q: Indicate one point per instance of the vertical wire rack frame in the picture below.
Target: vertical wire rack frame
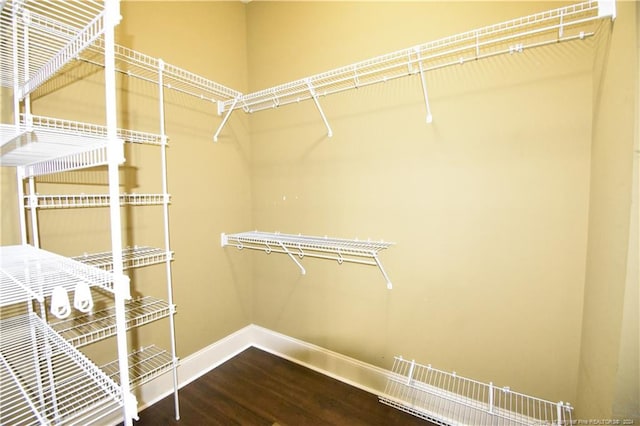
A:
(39, 39)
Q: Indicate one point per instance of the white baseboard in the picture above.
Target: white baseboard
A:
(348, 370)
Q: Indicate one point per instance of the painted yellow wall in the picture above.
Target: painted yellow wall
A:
(488, 205)
(609, 352)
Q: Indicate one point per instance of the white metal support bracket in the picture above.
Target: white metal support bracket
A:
(286, 250)
(424, 88)
(607, 8)
(314, 95)
(384, 273)
(225, 119)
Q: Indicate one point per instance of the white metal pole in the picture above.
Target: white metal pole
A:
(16, 74)
(21, 212)
(115, 157)
(167, 247)
(33, 201)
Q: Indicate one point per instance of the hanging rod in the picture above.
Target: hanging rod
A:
(299, 246)
(563, 24)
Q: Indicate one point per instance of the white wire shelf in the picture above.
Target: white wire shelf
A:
(50, 145)
(298, 246)
(45, 150)
(574, 22)
(92, 200)
(147, 68)
(145, 364)
(449, 399)
(132, 257)
(49, 35)
(84, 329)
(46, 381)
(28, 273)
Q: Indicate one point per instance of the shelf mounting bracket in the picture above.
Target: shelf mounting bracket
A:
(384, 273)
(424, 88)
(286, 250)
(226, 117)
(314, 95)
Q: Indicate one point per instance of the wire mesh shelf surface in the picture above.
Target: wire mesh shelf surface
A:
(264, 240)
(145, 364)
(28, 273)
(41, 139)
(30, 146)
(132, 257)
(449, 399)
(298, 246)
(147, 68)
(92, 200)
(84, 329)
(47, 381)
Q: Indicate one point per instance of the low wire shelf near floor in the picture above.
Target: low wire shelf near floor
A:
(46, 381)
(145, 364)
(448, 399)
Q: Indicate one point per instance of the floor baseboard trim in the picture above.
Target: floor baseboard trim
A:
(340, 367)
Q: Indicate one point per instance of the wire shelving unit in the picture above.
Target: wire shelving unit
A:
(449, 399)
(60, 386)
(46, 381)
(298, 246)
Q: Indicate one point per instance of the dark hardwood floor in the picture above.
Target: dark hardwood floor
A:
(258, 388)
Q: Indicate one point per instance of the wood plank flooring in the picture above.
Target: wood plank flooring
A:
(258, 388)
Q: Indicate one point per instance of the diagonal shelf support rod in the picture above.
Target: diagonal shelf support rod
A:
(423, 81)
(226, 118)
(286, 250)
(384, 273)
(314, 95)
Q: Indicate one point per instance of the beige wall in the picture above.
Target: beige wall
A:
(488, 205)
(608, 380)
(499, 209)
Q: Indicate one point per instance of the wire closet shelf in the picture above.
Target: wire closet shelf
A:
(46, 380)
(573, 22)
(449, 399)
(48, 145)
(298, 246)
(83, 329)
(28, 273)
